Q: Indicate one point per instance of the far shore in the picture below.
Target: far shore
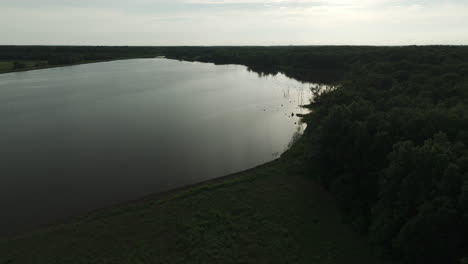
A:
(66, 65)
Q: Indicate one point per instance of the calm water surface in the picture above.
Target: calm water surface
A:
(78, 138)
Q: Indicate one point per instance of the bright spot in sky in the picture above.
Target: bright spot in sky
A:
(233, 22)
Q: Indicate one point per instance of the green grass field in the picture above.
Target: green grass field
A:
(7, 66)
(265, 215)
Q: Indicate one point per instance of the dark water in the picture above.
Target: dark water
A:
(78, 138)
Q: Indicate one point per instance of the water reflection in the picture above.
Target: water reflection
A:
(78, 138)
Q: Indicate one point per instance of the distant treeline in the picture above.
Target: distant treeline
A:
(318, 64)
(65, 55)
(391, 142)
(313, 64)
(327, 64)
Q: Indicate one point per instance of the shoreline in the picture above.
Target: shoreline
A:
(267, 214)
(158, 197)
(68, 65)
(161, 195)
(49, 67)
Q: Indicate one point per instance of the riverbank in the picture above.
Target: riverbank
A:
(6, 66)
(270, 214)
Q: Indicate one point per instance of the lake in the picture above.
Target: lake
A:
(79, 138)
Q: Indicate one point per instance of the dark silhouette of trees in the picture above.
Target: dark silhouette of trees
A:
(390, 143)
(18, 65)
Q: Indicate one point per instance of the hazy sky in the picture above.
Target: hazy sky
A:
(233, 22)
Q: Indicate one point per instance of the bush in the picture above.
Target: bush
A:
(19, 65)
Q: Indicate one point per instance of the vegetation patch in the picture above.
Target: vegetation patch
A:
(267, 215)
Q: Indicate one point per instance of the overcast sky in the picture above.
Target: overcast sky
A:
(233, 22)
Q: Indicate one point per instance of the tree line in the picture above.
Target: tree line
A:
(391, 145)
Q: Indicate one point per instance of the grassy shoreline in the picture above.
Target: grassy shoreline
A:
(267, 214)
(60, 66)
(160, 197)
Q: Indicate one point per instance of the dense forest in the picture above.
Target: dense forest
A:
(391, 144)
(390, 141)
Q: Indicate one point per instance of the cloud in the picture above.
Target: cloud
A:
(229, 22)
